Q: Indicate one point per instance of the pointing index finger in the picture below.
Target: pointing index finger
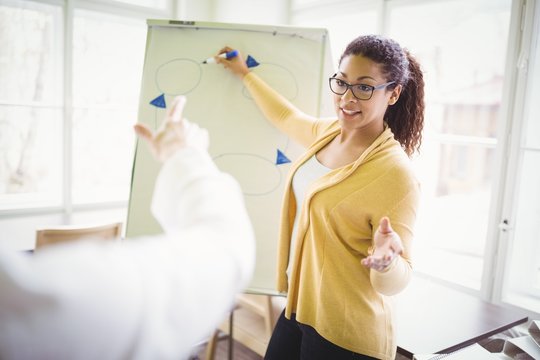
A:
(176, 110)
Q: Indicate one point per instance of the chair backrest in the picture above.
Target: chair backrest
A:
(66, 233)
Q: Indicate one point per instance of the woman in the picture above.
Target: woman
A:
(339, 258)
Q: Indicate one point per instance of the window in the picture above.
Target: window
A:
(108, 54)
(461, 45)
(463, 56)
(70, 87)
(521, 285)
(31, 114)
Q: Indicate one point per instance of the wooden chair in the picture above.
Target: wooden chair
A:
(65, 233)
(254, 318)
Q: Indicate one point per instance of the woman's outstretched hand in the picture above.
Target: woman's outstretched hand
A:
(387, 246)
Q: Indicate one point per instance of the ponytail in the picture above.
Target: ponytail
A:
(406, 116)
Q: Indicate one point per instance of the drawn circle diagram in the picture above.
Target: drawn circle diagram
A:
(279, 78)
(256, 174)
(268, 174)
(178, 76)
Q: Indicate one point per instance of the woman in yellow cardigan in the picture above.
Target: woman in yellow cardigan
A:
(340, 260)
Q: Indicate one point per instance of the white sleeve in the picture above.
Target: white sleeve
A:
(142, 298)
(206, 200)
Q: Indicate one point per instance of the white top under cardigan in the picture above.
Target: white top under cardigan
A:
(148, 298)
(306, 174)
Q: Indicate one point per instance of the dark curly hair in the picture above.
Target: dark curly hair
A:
(406, 116)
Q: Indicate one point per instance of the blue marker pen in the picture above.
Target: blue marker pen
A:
(227, 55)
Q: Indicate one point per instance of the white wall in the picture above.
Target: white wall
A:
(196, 10)
(236, 11)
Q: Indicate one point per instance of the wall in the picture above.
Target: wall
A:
(274, 12)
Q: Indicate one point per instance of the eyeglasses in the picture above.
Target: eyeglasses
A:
(360, 91)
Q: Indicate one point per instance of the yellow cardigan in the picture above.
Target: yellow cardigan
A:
(329, 288)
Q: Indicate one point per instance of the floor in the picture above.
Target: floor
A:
(494, 344)
(240, 352)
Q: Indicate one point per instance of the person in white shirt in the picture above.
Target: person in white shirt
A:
(147, 298)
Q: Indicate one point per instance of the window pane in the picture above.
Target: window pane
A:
(31, 116)
(103, 154)
(30, 157)
(524, 259)
(532, 126)
(30, 55)
(451, 228)
(461, 45)
(108, 54)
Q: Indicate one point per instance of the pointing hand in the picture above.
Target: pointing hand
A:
(174, 133)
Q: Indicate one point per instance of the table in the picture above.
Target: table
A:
(433, 319)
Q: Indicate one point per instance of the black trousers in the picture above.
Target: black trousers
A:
(292, 340)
